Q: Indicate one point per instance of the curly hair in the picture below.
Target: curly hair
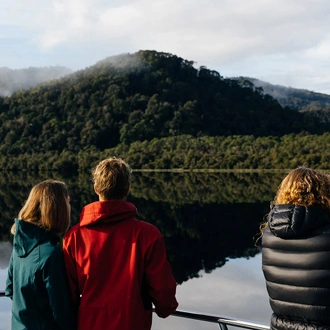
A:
(304, 187)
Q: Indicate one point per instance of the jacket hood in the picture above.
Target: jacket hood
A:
(107, 211)
(27, 236)
(293, 221)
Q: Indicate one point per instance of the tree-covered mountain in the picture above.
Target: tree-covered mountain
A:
(137, 97)
(14, 80)
(157, 110)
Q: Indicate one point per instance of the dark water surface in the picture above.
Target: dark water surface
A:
(208, 222)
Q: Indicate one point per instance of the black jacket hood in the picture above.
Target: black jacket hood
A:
(293, 221)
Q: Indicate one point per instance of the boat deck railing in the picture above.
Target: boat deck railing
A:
(221, 321)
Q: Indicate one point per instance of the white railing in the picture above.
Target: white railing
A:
(221, 321)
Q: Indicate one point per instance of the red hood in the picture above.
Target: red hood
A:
(107, 211)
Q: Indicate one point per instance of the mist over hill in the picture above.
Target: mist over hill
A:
(14, 80)
(296, 99)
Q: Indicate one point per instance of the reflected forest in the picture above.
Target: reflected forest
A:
(205, 218)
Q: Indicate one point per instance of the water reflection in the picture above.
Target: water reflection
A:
(205, 218)
(202, 237)
(5, 252)
(5, 303)
(235, 290)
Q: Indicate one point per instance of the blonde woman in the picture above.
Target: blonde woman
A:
(296, 252)
(36, 281)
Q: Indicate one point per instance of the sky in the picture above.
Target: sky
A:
(283, 42)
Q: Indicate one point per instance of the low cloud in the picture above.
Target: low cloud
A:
(219, 34)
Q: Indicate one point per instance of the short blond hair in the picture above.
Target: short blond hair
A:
(112, 178)
(47, 207)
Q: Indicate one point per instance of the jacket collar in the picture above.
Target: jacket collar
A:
(293, 221)
(28, 235)
(107, 211)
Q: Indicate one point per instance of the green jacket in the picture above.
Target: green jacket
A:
(37, 282)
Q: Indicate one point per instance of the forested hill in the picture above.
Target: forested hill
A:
(138, 97)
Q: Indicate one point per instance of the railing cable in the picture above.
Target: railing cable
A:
(222, 321)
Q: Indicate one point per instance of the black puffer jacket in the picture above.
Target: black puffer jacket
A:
(296, 265)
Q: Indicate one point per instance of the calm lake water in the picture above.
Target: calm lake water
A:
(208, 221)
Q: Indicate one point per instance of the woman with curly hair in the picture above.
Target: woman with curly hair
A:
(296, 252)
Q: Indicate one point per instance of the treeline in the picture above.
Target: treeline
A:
(189, 153)
(133, 98)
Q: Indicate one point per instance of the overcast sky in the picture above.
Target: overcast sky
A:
(285, 42)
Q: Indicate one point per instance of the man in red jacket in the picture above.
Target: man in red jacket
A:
(116, 264)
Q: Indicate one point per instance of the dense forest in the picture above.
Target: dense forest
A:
(158, 111)
(186, 152)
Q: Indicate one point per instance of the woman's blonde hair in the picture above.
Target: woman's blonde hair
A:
(304, 187)
(112, 178)
(47, 207)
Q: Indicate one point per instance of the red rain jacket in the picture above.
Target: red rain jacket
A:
(117, 267)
